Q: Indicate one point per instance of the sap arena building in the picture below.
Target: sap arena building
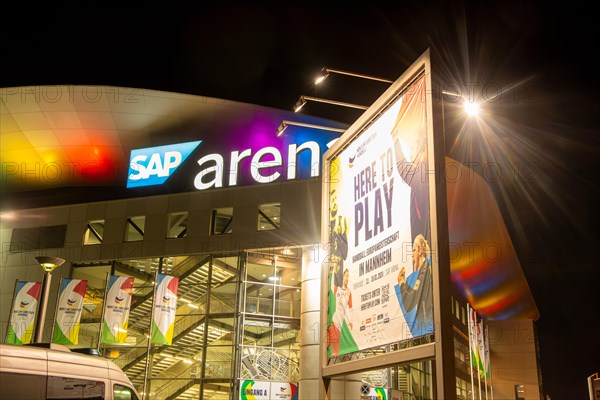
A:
(308, 264)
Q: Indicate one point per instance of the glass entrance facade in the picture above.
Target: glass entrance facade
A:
(238, 319)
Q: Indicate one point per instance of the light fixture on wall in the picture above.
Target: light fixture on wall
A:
(303, 99)
(326, 71)
(284, 124)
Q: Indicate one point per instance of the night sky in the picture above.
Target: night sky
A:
(545, 121)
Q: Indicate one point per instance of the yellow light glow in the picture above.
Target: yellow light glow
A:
(471, 108)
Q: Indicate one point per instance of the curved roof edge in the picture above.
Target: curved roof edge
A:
(483, 261)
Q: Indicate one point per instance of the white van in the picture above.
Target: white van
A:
(54, 372)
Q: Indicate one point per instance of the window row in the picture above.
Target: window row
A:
(268, 218)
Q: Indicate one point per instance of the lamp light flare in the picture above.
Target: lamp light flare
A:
(471, 108)
(320, 78)
(299, 104)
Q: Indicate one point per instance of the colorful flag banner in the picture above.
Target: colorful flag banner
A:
(22, 316)
(68, 311)
(486, 356)
(481, 348)
(117, 304)
(165, 307)
(473, 343)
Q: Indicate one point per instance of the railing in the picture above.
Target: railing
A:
(192, 261)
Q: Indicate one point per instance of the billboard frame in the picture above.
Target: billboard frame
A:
(441, 351)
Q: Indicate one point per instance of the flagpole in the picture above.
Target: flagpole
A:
(484, 362)
(487, 345)
(56, 308)
(103, 310)
(154, 286)
(471, 353)
(477, 349)
(12, 310)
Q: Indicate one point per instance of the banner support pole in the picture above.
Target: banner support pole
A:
(103, 310)
(147, 395)
(12, 307)
(60, 280)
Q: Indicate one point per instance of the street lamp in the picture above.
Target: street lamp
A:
(48, 264)
(285, 123)
(326, 71)
(303, 99)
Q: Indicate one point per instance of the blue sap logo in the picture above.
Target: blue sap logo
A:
(154, 165)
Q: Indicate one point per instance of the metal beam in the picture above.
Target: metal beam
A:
(412, 354)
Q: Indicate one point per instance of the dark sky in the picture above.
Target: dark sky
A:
(546, 121)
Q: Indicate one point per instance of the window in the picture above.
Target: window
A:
(121, 392)
(72, 388)
(94, 232)
(44, 237)
(135, 229)
(177, 227)
(22, 386)
(221, 220)
(269, 216)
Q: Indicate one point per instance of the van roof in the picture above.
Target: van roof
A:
(57, 360)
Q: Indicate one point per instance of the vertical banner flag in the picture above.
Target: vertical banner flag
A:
(165, 306)
(116, 309)
(482, 353)
(380, 286)
(488, 371)
(474, 336)
(68, 311)
(22, 316)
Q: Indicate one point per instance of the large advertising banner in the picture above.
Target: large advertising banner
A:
(22, 316)
(116, 309)
(265, 390)
(68, 311)
(380, 288)
(165, 308)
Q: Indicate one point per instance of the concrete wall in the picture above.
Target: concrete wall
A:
(514, 359)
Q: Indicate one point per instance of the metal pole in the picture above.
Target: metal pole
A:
(103, 310)
(476, 328)
(470, 353)
(357, 75)
(490, 361)
(147, 367)
(205, 333)
(39, 324)
(12, 305)
(56, 310)
(335, 102)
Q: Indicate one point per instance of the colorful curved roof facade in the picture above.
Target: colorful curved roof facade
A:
(68, 144)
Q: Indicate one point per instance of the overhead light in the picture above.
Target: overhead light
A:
(192, 306)
(322, 76)
(49, 263)
(471, 108)
(282, 128)
(325, 73)
(299, 104)
(286, 123)
(273, 278)
(303, 99)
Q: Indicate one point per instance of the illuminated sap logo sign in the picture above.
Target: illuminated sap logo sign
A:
(154, 165)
